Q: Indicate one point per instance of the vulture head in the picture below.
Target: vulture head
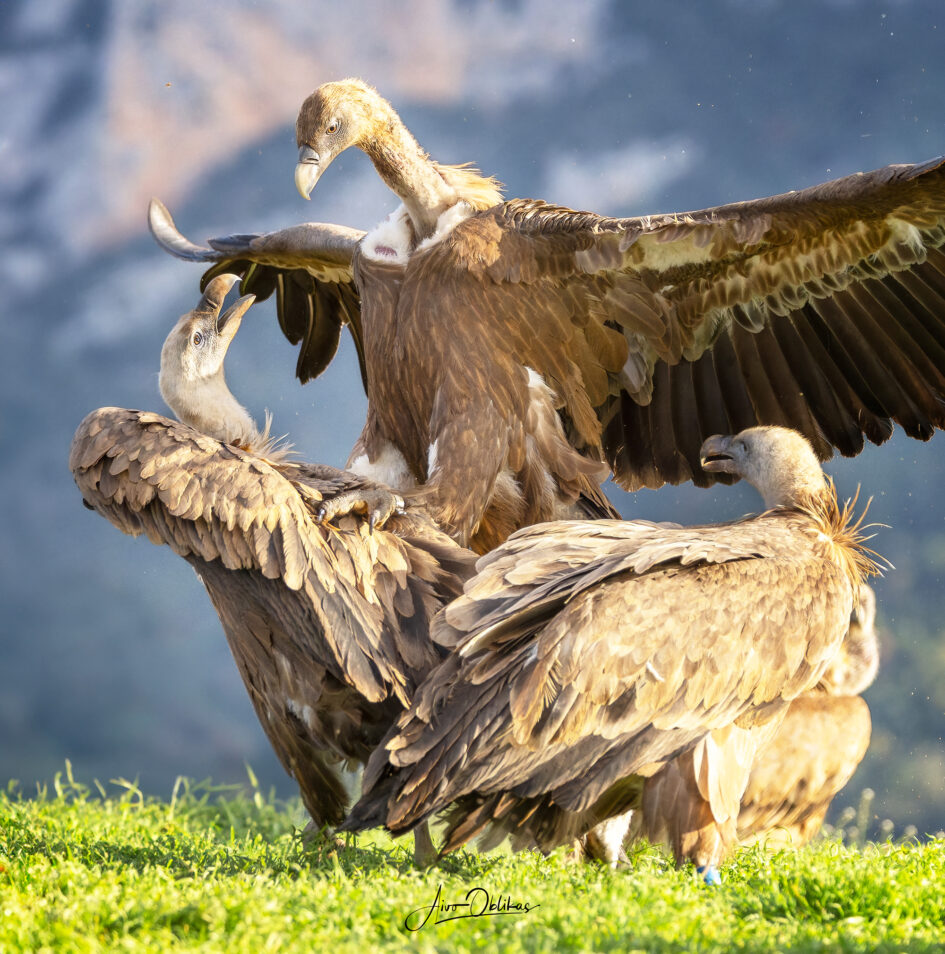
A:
(777, 461)
(351, 113)
(191, 379)
(337, 115)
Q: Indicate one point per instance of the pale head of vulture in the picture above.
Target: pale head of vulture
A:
(191, 379)
(777, 461)
(337, 115)
(350, 113)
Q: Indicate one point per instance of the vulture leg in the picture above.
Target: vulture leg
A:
(378, 504)
(424, 851)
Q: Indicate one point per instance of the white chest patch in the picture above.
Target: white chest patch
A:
(388, 467)
(390, 241)
(445, 224)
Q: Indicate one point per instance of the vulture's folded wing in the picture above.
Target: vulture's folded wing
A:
(687, 630)
(370, 596)
(822, 310)
(309, 268)
(796, 776)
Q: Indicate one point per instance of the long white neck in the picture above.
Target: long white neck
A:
(208, 405)
(406, 168)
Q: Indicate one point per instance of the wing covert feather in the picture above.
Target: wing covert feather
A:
(375, 593)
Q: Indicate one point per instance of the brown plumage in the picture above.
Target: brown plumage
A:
(818, 747)
(561, 340)
(774, 782)
(328, 623)
(585, 655)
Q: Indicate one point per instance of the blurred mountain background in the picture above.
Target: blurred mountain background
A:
(110, 653)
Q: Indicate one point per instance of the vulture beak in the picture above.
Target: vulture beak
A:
(714, 454)
(307, 171)
(231, 318)
(215, 293)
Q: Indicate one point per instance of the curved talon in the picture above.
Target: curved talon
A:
(377, 505)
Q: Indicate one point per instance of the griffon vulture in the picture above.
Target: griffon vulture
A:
(774, 782)
(818, 747)
(585, 655)
(329, 625)
(509, 349)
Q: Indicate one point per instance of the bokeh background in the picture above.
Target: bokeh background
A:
(110, 653)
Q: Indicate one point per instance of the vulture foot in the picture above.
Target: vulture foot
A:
(320, 838)
(377, 505)
(710, 874)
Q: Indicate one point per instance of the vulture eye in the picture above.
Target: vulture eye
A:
(198, 338)
(332, 127)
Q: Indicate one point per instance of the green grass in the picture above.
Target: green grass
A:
(218, 870)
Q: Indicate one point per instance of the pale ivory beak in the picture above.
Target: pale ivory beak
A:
(307, 171)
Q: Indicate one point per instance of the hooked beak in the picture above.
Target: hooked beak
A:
(215, 293)
(307, 171)
(233, 316)
(714, 454)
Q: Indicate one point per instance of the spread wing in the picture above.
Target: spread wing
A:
(309, 268)
(564, 698)
(368, 597)
(822, 310)
(794, 779)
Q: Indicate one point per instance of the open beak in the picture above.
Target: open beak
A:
(714, 454)
(307, 171)
(231, 318)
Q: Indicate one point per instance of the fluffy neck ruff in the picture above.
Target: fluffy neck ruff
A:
(844, 532)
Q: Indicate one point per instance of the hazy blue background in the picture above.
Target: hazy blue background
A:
(110, 653)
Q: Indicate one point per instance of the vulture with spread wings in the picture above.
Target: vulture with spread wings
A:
(329, 623)
(585, 655)
(513, 350)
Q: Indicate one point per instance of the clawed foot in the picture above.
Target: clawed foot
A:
(319, 838)
(377, 505)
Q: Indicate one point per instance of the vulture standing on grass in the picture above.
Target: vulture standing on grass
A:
(513, 350)
(818, 747)
(781, 777)
(329, 625)
(585, 655)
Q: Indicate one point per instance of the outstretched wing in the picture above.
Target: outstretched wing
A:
(822, 310)
(368, 597)
(309, 268)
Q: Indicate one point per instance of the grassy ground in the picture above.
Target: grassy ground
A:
(210, 870)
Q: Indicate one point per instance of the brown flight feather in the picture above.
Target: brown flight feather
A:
(813, 309)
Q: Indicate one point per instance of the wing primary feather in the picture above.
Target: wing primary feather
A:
(686, 419)
(830, 412)
(738, 406)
